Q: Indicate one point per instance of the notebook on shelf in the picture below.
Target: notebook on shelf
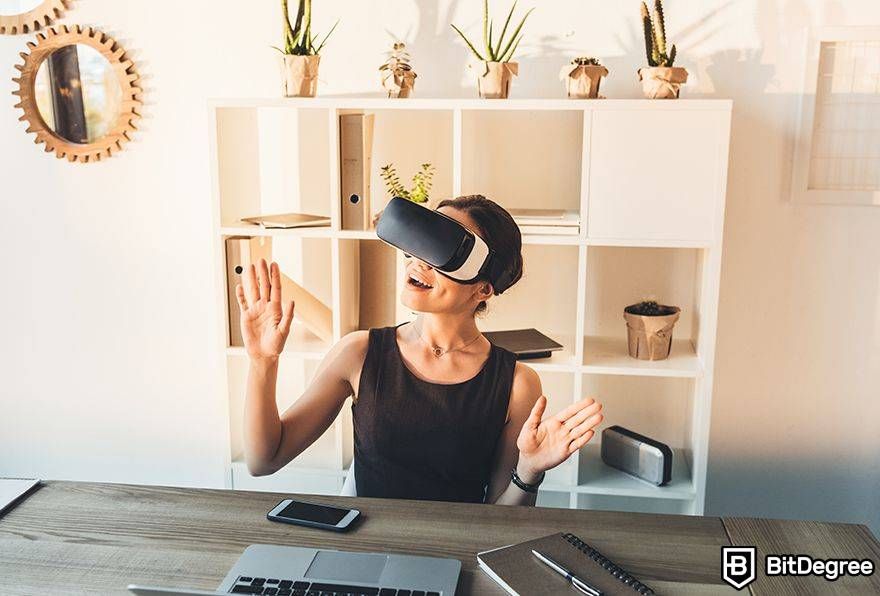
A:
(518, 571)
(286, 221)
(525, 343)
(564, 222)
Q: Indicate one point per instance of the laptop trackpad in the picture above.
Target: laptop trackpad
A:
(347, 567)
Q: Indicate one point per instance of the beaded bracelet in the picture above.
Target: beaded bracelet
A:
(529, 488)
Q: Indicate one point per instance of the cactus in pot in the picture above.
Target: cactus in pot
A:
(660, 80)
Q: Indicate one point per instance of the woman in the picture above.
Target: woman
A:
(439, 412)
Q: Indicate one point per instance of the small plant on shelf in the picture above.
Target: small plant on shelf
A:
(496, 69)
(398, 76)
(649, 329)
(582, 77)
(301, 54)
(421, 183)
(661, 80)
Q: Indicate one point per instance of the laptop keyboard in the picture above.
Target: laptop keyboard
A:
(286, 587)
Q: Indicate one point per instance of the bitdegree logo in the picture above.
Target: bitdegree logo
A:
(830, 569)
(738, 566)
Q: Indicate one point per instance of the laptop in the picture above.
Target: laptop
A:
(297, 571)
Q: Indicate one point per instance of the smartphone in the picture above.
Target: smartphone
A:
(313, 515)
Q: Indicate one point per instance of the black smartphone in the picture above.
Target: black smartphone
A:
(313, 515)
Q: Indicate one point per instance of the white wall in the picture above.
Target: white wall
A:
(108, 367)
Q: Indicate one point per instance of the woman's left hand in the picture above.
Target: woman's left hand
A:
(544, 444)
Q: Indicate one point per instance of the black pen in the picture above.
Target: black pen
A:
(575, 580)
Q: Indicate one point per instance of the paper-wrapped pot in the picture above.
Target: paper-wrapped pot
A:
(398, 83)
(662, 82)
(493, 78)
(582, 80)
(650, 337)
(299, 75)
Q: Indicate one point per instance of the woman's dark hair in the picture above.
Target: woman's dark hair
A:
(497, 228)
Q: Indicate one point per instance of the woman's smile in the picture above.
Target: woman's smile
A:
(416, 280)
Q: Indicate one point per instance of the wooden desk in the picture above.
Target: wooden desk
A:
(72, 537)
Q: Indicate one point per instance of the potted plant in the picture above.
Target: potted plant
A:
(495, 69)
(649, 329)
(661, 80)
(301, 56)
(582, 77)
(421, 184)
(398, 76)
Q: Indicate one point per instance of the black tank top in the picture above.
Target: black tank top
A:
(414, 439)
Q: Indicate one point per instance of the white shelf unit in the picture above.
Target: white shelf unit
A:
(649, 181)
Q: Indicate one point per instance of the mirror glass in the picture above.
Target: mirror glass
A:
(78, 94)
(10, 8)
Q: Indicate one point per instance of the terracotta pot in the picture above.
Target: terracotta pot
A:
(662, 82)
(399, 84)
(494, 78)
(650, 337)
(299, 75)
(582, 81)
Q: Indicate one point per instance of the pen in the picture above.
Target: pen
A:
(575, 580)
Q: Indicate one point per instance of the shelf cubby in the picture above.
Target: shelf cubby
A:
(545, 298)
(271, 160)
(409, 138)
(523, 158)
(618, 276)
(660, 408)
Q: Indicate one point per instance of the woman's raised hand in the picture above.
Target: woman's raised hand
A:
(264, 323)
(544, 444)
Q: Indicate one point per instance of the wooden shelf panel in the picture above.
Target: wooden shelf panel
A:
(301, 343)
(610, 356)
(241, 229)
(379, 102)
(598, 478)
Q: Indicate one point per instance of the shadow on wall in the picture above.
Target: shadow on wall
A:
(442, 75)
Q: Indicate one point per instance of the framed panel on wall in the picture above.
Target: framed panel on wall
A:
(837, 147)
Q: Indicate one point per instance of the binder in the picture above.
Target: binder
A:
(518, 571)
(355, 148)
(312, 313)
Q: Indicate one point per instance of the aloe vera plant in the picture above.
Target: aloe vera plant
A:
(421, 183)
(502, 49)
(298, 38)
(655, 36)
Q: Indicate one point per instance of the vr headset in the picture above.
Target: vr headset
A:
(441, 242)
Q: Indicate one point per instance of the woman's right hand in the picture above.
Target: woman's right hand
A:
(264, 323)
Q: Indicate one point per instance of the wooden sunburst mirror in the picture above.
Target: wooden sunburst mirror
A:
(39, 15)
(79, 92)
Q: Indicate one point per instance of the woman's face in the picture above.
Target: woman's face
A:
(425, 290)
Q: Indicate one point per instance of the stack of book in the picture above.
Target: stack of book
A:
(547, 221)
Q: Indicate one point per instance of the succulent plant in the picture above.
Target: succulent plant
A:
(655, 36)
(650, 308)
(298, 38)
(496, 51)
(421, 183)
(585, 61)
(398, 59)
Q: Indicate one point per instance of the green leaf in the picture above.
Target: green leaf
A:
(671, 59)
(660, 25)
(504, 29)
(515, 33)
(509, 55)
(321, 45)
(489, 51)
(469, 44)
(486, 24)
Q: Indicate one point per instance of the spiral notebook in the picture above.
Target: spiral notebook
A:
(518, 571)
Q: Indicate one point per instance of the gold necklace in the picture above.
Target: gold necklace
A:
(437, 350)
